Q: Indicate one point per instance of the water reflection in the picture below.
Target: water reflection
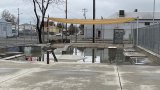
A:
(76, 54)
(88, 55)
(34, 51)
(93, 55)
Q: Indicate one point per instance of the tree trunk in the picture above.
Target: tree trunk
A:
(40, 24)
(39, 36)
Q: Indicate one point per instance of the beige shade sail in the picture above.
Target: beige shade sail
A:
(90, 21)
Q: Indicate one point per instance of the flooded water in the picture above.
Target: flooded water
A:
(76, 54)
(11, 51)
(6, 52)
(101, 55)
(93, 55)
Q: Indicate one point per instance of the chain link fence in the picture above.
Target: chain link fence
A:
(148, 37)
(21, 40)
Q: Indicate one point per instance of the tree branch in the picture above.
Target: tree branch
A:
(38, 5)
(35, 11)
(42, 5)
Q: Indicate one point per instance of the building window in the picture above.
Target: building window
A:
(147, 23)
(99, 34)
(13, 31)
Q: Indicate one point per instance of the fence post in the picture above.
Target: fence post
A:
(137, 29)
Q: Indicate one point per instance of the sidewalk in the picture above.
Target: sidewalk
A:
(76, 76)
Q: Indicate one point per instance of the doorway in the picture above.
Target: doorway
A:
(99, 34)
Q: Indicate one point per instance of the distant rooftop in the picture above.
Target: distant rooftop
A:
(26, 24)
(141, 15)
(2, 20)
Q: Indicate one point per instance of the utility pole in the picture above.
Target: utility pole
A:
(84, 12)
(66, 16)
(18, 22)
(94, 11)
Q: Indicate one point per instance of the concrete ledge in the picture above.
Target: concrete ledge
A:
(15, 56)
(151, 55)
(89, 45)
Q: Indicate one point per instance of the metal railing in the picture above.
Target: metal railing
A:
(148, 37)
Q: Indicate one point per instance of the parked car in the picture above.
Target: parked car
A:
(59, 34)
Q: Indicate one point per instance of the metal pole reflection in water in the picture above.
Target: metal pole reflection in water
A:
(76, 51)
(48, 56)
(93, 55)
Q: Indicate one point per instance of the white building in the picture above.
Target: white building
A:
(27, 29)
(26, 26)
(5, 29)
(107, 31)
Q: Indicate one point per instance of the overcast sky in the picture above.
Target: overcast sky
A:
(104, 8)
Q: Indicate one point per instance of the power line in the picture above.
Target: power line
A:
(84, 10)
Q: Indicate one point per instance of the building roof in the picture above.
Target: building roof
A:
(141, 15)
(3, 20)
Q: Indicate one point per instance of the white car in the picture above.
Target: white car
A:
(59, 34)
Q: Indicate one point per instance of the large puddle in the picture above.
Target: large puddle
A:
(34, 51)
(73, 54)
(91, 55)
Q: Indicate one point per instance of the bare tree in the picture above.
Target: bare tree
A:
(72, 29)
(8, 16)
(42, 6)
(81, 27)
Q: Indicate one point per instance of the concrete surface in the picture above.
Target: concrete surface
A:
(76, 76)
(140, 77)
